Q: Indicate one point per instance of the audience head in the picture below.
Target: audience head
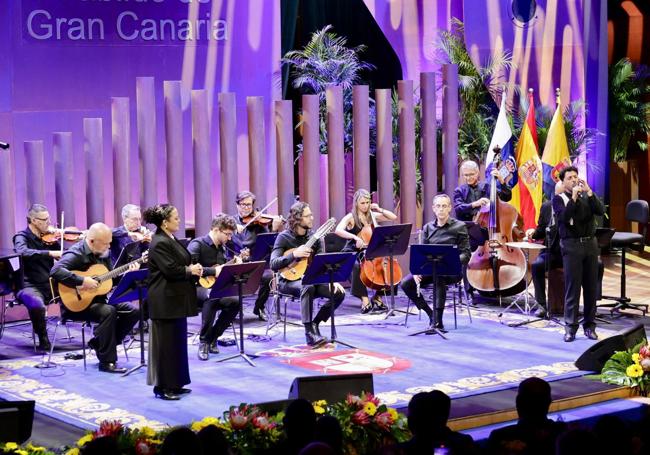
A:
(213, 441)
(180, 441)
(533, 398)
(299, 422)
(329, 431)
(428, 411)
(105, 445)
(576, 440)
(317, 448)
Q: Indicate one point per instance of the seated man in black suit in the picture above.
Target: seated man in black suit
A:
(130, 231)
(534, 432)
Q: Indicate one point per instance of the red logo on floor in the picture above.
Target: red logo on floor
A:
(349, 361)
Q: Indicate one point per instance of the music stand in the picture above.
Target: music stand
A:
(132, 285)
(237, 280)
(435, 260)
(263, 247)
(328, 268)
(130, 252)
(389, 241)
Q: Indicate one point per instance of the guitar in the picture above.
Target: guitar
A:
(75, 299)
(297, 268)
(207, 281)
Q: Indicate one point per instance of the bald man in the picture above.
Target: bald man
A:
(113, 322)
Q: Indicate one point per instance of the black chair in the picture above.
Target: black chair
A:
(10, 281)
(636, 210)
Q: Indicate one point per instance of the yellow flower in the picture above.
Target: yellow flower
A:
(370, 408)
(393, 413)
(22, 452)
(319, 409)
(11, 446)
(35, 449)
(636, 358)
(320, 403)
(634, 371)
(84, 439)
(148, 432)
(211, 421)
(197, 426)
(74, 451)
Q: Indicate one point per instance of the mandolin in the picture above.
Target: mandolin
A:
(75, 299)
(297, 268)
(207, 281)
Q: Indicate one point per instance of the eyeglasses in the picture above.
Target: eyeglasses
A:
(245, 204)
(441, 206)
(227, 233)
(42, 219)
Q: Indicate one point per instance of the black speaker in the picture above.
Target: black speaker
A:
(16, 419)
(594, 358)
(331, 388)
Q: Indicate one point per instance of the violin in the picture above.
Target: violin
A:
(69, 234)
(259, 218)
(142, 234)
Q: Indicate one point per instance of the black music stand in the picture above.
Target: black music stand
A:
(330, 268)
(237, 280)
(389, 241)
(133, 285)
(130, 252)
(263, 247)
(435, 260)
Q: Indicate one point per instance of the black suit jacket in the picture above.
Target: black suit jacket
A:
(171, 292)
(463, 203)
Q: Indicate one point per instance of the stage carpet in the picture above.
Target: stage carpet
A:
(483, 355)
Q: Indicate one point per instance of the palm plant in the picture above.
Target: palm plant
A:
(326, 60)
(629, 113)
(479, 87)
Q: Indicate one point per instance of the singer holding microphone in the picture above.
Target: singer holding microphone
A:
(575, 210)
(171, 298)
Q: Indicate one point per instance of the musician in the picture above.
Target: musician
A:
(300, 223)
(575, 211)
(246, 236)
(114, 321)
(349, 228)
(210, 251)
(472, 195)
(37, 258)
(442, 230)
(130, 231)
(172, 299)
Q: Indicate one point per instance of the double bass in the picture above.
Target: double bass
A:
(375, 273)
(494, 266)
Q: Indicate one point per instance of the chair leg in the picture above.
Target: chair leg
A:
(408, 311)
(454, 304)
(126, 349)
(49, 357)
(284, 320)
(83, 343)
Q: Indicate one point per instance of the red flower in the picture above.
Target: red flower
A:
(372, 398)
(361, 418)
(238, 419)
(644, 352)
(110, 428)
(261, 421)
(142, 448)
(384, 420)
(354, 400)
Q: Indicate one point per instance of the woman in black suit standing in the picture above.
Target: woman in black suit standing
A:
(171, 298)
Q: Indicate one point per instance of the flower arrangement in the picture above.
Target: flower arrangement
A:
(367, 424)
(139, 441)
(27, 449)
(248, 429)
(630, 368)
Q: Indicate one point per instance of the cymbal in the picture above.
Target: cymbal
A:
(525, 245)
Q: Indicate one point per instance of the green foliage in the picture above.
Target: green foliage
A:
(627, 368)
(629, 112)
(326, 60)
(478, 86)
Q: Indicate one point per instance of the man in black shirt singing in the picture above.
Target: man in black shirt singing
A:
(301, 221)
(211, 253)
(114, 321)
(38, 259)
(575, 211)
(443, 230)
(246, 236)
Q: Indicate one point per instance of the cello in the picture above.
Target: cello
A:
(494, 266)
(375, 273)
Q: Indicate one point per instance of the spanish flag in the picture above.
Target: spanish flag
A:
(527, 194)
(556, 151)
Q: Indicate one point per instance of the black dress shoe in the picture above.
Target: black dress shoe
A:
(259, 312)
(204, 351)
(110, 367)
(214, 349)
(226, 342)
(44, 345)
(313, 339)
(569, 337)
(165, 394)
(591, 334)
(181, 391)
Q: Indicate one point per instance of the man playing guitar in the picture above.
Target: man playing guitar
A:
(301, 221)
(210, 251)
(114, 322)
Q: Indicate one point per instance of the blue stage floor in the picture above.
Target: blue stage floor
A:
(479, 356)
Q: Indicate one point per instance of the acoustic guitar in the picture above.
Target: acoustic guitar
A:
(76, 299)
(297, 268)
(207, 281)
